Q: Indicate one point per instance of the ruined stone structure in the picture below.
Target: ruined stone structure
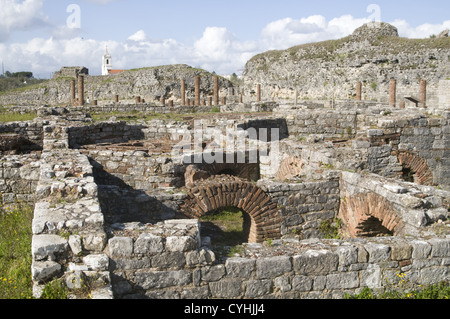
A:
(131, 206)
(120, 203)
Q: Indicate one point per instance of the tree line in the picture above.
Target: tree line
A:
(20, 75)
(10, 81)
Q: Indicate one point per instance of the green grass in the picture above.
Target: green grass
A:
(16, 117)
(15, 253)
(225, 228)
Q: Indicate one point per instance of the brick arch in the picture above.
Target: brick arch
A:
(369, 215)
(417, 166)
(264, 219)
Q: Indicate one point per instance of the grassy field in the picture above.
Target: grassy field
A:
(16, 117)
(15, 252)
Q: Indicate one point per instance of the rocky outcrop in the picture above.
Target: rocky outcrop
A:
(373, 55)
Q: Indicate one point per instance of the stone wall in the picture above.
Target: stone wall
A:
(21, 137)
(304, 122)
(146, 264)
(402, 208)
(373, 139)
(304, 205)
(68, 225)
(444, 95)
(19, 176)
(116, 132)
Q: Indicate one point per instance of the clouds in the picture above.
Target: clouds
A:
(288, 32)
(422, 31)
(18, 15)
(138, 36)
(215, 49)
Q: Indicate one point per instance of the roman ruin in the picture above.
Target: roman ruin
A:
(342, 180)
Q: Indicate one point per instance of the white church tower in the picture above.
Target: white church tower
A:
(106, 63)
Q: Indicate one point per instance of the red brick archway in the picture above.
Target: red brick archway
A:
(210, 194)
(418, 167)
(369, 215)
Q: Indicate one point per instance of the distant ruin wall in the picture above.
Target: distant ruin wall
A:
(444, 93)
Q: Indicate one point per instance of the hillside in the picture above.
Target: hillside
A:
(148, 83)
(330, 69)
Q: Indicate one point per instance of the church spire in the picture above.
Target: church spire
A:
(106, 62)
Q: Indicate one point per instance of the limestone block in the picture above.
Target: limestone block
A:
(149, 244)
(168, 260)
(315, 262)
(343, 280)
(44, 271)
(440, 247)
(421, 249)
(258, 288)
(46, 246)
(97, 262)
(401, 251)
(239, 267)
(95, 220)
(102, 293)
(434, 215)
(270, 267)
(347, 255)
(302, 283)
(163, 279)
(416, 218)
(202, 257)
(75, 280)
(120, 247)
(94, 242)
(375, 132)
(226, 288)
(377, 252)
(182, 244)
(434, 275)
(371, 277)
(213, 273)
(75, 244)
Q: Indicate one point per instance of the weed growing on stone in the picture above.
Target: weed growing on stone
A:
(438, 291)
(55, 290)
(330, 229)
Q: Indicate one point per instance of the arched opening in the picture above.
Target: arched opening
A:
(369, 215)
(373, 227)
(415, 169)
(408, 174)
(225, 227)
(262, 219)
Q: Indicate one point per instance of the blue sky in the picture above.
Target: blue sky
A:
(219, 36)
